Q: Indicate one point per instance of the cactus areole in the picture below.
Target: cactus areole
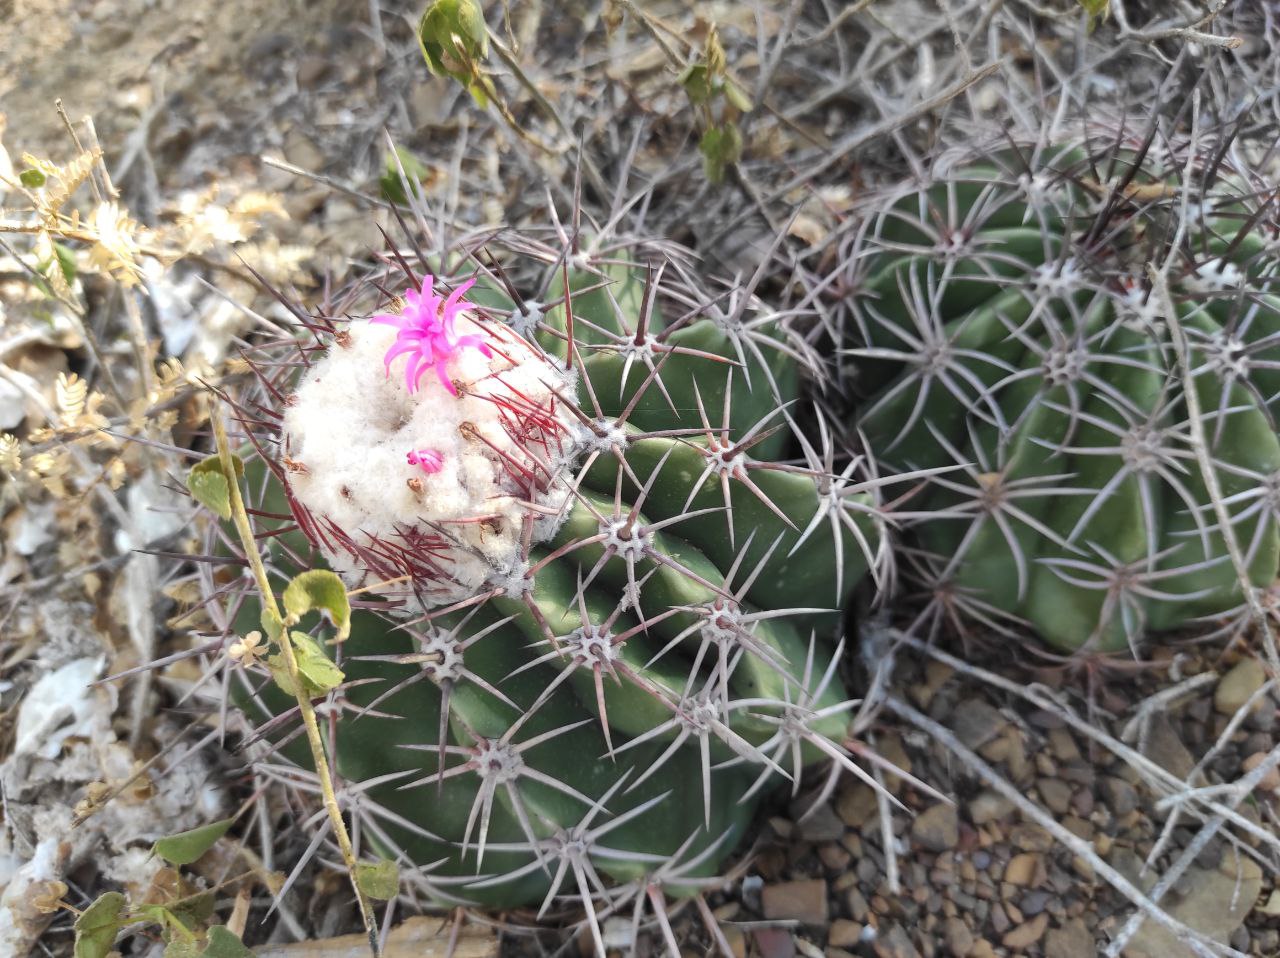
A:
(1088, 338)
(598, 572)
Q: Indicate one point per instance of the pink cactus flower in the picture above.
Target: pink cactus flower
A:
(428, 460)
(427, 333)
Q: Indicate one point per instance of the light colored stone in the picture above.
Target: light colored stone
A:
(1072, 940)
(804, 901)
(856, 805)
(1021, 870)
(1166, 749)
(1055, 793)
(1235, 688)
(1270, 781)
(844, 932)
(894, 943)
(1213, 901)
(959, 938)
(937, 828)
(976, 722)
(1026, 934)
(988, 806)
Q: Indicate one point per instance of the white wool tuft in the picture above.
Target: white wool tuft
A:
(350, 426)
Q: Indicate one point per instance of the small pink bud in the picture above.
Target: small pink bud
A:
(428, 460)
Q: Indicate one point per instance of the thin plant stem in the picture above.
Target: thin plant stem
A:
(240, 517)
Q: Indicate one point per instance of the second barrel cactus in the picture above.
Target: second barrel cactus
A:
(1010, 322)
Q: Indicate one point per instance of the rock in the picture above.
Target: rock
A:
(301, 151)
(1072, 940)
(1212, 901)
(988, 806)
(774, 943)
(1120, 796)
(834, 858)
(1030, 837)
(1166, 749)
(1033, 903)
(1063, 746)
(1021, 870)
(844, 932)
(1269, 782)
(804, 901)
(856, 905)
(892, 750)
(856, 805)
(1055, 793)
(820, 825)
(736, 938)
(1131, 865)
(959, 937)
(1235, 688)
(937, 828)
(1026, 934)
(1271, 907)
(894, 943)
(976, 723)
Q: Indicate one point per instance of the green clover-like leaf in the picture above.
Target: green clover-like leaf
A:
(98, 925)
(379, 880)
(323, 591)
(721, 146)
(224, 943)
(209, 485)
(316, 670)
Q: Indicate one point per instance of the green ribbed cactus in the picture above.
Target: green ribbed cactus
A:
(596, 567)
(1010, 323)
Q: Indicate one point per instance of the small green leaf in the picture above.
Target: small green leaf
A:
(379, 880)
(721, 146)
(392, 184)
(172, 926)
(318, 673)
(696, 81)
(66, 261)
(224, 943)
(185, 847)
(322, 590)
(454, 41)
(98, 925)
(1098, 11)
(736, 96)
(32, 179)
(209, 485)
(181, 948)
(194, 910)
(271, 624)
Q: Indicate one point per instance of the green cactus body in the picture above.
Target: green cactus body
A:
(613, 699)
(1006, 331)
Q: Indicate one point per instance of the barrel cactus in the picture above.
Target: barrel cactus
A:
(595, 565)
(1010, 322)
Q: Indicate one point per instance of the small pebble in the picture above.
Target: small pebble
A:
(1072, 940)
(804, 901)
(1236, 687)
(937, 828)
(1026, 934)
